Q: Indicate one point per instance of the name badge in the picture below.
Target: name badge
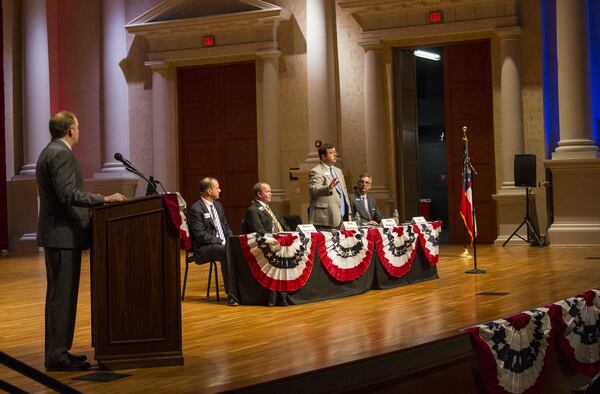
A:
(388, 223)
(306, 228)
(207, 215)
(261, 208)
(349, 226)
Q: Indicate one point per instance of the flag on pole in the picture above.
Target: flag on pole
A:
(466, 195)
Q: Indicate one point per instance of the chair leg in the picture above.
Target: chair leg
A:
(216, 279)
(187, 265)
(209, 280)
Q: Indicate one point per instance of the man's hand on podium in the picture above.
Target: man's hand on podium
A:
(117, 197)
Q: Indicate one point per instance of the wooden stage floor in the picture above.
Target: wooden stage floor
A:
(232, 347)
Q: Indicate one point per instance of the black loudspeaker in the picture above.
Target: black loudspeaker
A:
(525, 170)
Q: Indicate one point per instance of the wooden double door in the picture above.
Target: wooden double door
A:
(218, 133)
(467, 102)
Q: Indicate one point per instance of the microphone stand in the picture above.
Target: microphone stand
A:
(133, 170)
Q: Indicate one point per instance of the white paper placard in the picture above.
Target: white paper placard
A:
(306, 228)
(388, 223)
(349, 226)
(418, 219)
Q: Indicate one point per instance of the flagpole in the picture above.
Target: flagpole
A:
(475, 270)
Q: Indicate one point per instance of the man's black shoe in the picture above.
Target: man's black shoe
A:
(231, 301)
(77, 357)
(69, 365)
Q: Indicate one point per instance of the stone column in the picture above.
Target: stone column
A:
(271, 172)
(510, 201)
(512, 101)
(22, 194)
(113, 177)
(36, 84)
(164, 137)
(574, 98)
(375, 126)
(322, 109)
(575, 165)
(115, 98)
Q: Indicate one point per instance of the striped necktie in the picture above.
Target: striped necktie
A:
(366, 204)
(277, 226)
(217, 222)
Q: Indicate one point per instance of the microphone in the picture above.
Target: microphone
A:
(119, 157)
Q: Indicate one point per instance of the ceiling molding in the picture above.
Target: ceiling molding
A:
(399, 19)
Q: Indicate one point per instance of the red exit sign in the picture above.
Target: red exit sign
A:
(208, 41)
(436, 17)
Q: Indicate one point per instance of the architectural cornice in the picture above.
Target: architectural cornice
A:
(397, 19)
(266, 16)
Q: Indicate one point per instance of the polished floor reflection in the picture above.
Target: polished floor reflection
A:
(231, 347)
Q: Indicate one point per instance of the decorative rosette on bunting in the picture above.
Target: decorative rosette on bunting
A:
(512, 351)
(345, 254)
(396, 248)
(280, 262)
(578, 327)
(429, 235)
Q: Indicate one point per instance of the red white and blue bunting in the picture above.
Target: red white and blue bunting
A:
(577, 325)
(345, 254)
(279, 262)
(396, 248)
(176, 208)
(517, 346)
(429, 235)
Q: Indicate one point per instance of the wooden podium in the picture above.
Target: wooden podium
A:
(136, 304)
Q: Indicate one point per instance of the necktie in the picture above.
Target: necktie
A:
(366, 204)
(340, 190)
(276, 223)
(217, 222)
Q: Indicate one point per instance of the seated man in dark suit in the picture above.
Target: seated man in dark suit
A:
(260, 217)
(209, 229)
(364, 205)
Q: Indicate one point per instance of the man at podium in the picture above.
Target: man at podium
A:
(209, 229)
(63, 232)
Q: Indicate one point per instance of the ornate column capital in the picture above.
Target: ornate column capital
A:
(271, 55)
(371, 45)
(159, 66)
(509, 33)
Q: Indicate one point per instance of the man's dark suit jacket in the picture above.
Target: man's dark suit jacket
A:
(203, 228)
(258, 220)
(64, 218)
(358, 206)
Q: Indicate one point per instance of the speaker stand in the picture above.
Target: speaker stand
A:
(530, 227)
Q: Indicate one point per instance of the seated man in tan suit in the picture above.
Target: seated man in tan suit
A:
(329, 203)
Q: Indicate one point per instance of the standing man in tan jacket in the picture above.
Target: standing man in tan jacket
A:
(329, 203)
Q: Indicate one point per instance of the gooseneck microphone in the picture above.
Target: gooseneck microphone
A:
(119, 157)
(131, 168)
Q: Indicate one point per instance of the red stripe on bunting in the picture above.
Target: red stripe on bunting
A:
(332, 267)
(395, 271)
(273, 283)
(431, 257)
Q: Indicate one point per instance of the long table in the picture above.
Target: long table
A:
(318, 282)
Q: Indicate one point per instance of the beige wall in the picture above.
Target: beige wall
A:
(80, 86)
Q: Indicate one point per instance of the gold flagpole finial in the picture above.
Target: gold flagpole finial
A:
(465, 133)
